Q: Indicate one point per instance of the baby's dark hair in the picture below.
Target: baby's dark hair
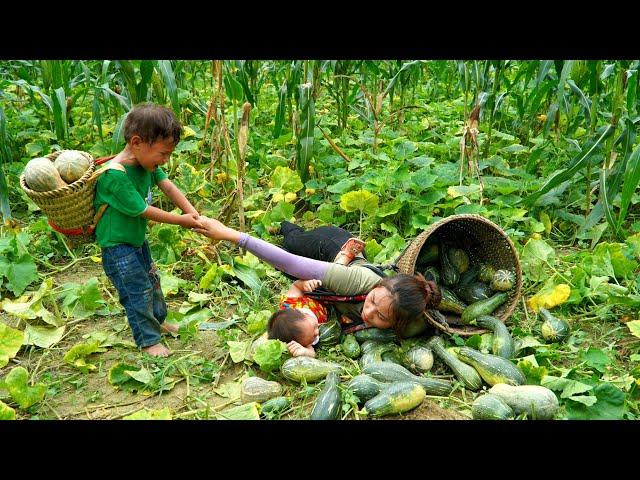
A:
(152, 122)
(285, 324)
(412, 295)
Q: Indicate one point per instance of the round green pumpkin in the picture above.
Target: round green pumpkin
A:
(503, 280)
(42, 176)
(71, 165)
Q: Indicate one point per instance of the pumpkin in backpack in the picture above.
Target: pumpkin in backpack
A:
(72, 165)
(41, 175)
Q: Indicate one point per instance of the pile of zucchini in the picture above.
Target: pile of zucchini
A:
(468, 290)
(395, 379)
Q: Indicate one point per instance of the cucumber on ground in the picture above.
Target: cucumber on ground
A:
(492, 368)
(465, 373)
(365, 387)
(307, 368)
(491, 407)
(329, 403)
(538, 402)
(273, 408)
(390, 372)
(398, 398)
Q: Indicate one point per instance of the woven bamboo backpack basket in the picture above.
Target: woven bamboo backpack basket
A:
(483, 241)
(70, 209)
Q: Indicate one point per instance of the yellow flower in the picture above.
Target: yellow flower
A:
(549, 298)
(310, 191)
(221, 177)
(542, 117)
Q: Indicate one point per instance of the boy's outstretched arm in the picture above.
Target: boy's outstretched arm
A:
(176, 196)
(187, 220)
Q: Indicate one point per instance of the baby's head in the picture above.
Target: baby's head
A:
(299, 324)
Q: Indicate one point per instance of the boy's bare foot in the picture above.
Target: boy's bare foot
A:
(167, 327)
(157, 350)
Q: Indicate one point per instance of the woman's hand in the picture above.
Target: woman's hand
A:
(216, 230)
(297, 350)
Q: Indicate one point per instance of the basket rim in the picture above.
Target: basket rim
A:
(66, 190)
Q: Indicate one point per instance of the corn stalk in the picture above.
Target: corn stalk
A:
(5, 158)
(304, 147)
(243, 134)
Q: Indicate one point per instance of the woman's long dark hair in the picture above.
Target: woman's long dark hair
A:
(411, 295)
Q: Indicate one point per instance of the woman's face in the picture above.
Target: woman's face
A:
(377, 309)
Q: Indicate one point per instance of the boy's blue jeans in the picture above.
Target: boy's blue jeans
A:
(134, 275)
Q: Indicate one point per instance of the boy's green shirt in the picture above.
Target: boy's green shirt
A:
(126, 194)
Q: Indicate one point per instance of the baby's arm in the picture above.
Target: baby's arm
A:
(299, 287)
(298, 350)
(176, 196)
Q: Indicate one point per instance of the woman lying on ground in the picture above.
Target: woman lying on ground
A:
(389, 302)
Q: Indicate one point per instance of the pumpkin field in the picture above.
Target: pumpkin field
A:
(543, 154)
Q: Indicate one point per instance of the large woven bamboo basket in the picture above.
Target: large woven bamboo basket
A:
(483, 241)
(70, 207)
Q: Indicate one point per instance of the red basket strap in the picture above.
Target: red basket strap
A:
(101, 160)
(71, 231)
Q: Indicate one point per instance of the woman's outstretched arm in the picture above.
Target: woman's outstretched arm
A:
(294, 265)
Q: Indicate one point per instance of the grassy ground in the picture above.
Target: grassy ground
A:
(72, 394)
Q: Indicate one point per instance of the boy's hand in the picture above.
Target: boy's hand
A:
(308, 285)
(190, 220)
(297, 350)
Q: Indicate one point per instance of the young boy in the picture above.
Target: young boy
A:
(152, 133)
(296, 321)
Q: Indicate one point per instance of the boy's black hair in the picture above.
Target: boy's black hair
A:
(284, 325)
(152, 122)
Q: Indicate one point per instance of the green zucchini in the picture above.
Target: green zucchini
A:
(398, 398)
(390, 372)
(428, 253)
(415, 327)
(463, 372)
(502, 344)
(485, 272)
(329, 403)
(374, 354)
(329, 333)
(350, 346)
(369, 345)
(538, 402)
(553, 329)
(450, 303)
(376, 334)
(365, 387)
(468, 277)
(483, 307)
(419, 359)
(491, 407)
(392, 356)
(459, 259)
(273, 408)
(448, 272)
(474, 292)
(309, 369)
(492, 369)
(432, 273)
